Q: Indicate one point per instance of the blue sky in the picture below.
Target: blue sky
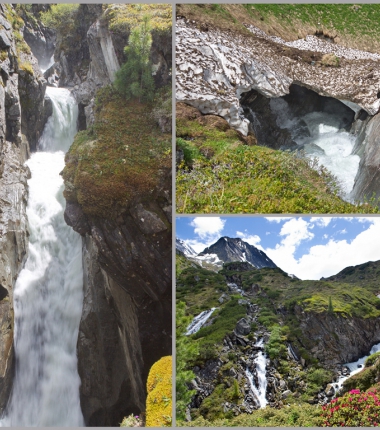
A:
(308, 247)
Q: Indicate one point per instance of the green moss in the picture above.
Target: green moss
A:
(27, 67)
(120, 158)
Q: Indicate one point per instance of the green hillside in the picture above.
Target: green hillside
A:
(276, 307)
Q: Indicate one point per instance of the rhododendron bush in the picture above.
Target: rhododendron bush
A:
(354, 409)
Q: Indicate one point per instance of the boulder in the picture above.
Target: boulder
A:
(243, 327)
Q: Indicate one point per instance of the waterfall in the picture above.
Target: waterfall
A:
(260, 390)
(48, 294)
(322, 137)
(199, 321)
(355, 367)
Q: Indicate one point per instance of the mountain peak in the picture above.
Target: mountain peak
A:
(235, 249)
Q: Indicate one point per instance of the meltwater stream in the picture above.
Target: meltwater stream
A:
(48, 293)
(322, 136)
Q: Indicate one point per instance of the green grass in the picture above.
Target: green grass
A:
(259, 180)
(345, 18)
(355, 25)
(222, 175)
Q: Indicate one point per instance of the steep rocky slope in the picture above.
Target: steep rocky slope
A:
(307, 329)
(24, 111)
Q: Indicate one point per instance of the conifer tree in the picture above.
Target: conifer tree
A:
(134, 79)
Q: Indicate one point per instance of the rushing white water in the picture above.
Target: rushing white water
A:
(327, 142)
(48, 294)
(199, 321)
(355, 367)
(260, 390)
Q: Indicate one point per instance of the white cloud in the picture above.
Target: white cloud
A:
(344, 231)
(295, 231)
(197, 245)
(325, 236)
(204, 227)
(208, 230)
(321, 221)
(329, 259)
(252, 239)
(277, 219)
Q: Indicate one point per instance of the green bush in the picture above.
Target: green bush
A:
(319, 377)
(275, 347)
(60, 16)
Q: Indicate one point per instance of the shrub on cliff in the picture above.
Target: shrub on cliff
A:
(134, 79)
(61, 16)
(159, 388)
(354, 409)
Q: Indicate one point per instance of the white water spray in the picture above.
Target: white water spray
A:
(260, 390)
(48, 294)
(328, 142)
(355, 367)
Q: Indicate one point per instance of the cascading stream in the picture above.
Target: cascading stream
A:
(355, 367)
(48, 294)
(261, 389)
(325, 140)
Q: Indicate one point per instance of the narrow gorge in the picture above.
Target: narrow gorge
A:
(85, 254)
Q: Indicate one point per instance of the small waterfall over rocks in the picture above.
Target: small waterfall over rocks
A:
(199, 321)
(354, 368)
(259, 390)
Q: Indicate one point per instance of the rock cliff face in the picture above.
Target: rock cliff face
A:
(367, 181)
(126, 320)
(23, 113)
(338, 340)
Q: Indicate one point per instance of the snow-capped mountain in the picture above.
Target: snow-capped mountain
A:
(235, 249)
(186, 249)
